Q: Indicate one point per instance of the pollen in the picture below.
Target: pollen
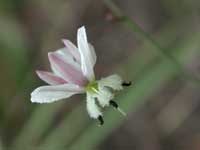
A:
(92, 87)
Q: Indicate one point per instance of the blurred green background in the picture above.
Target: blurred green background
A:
(155, 44)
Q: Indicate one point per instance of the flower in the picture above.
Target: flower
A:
(72, 73)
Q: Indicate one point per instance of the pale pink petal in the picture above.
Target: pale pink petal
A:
(72, 49)
(67, 57)
(51, 93)
(87, 57)
(50, 78)
(66, 70)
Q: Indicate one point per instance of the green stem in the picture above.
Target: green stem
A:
(133, 26)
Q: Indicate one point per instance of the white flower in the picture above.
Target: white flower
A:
(73, 73)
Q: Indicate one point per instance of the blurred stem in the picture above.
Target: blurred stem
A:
(130, 101)
(133, 26)
(152, 77)
(39, 122)
(68, 130)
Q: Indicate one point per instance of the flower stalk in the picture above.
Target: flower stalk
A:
(133, 26)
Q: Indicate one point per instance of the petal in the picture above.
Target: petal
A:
(92, 108)
(66, 69)
(87, 57)
(93, 54)
(72, 49)
(50, 78)
(104, 96)
(113, 81)
(48, 94)
(67, 57)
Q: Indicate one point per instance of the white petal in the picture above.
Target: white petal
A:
(92, 108)
(113, 81)
(48, 94)
(104, 96)
(93, 54)
(88, 56)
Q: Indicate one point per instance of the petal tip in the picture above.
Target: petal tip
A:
(39, 72)
(82, 29)
(52, 56)
(50, 53)
(64, 40)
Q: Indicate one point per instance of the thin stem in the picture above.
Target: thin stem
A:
(147, 37)
(121, 111)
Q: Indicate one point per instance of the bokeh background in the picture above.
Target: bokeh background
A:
(162, 61)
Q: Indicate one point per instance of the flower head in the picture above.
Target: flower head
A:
(73, 73)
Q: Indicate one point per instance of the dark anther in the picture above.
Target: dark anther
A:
(126, 83)
(114, 104)
(100, 118)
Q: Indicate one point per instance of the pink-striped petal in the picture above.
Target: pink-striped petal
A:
(67, 57)
(50, 78)
(66, 70)
(51, 93)
(72, 49)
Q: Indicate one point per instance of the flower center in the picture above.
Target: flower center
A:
(92, 87)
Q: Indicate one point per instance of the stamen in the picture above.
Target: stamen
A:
(126, 83)
(114, 104)
(100, 118)
(95, 90)
(121, 111)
